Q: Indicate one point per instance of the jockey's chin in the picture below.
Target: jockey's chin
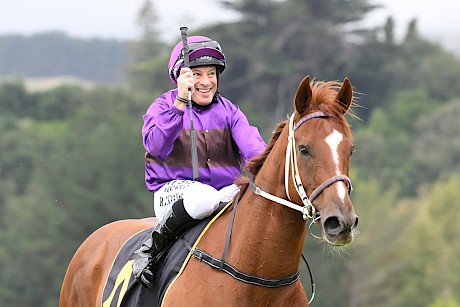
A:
(203, 97)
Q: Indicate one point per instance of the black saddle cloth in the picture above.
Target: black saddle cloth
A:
(121, 284)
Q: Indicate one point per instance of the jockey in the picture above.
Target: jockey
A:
(224, 141)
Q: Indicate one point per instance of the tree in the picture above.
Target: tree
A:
(436, 145)
(374, 257)
(14, 100)
(56, 54)
(282, 42)
(150, 58)
(385, 147)
(389, 31)
(62, 179)
(431, 268)
(384, 67)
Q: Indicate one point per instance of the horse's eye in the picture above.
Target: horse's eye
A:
(352, 150)
(304, 150)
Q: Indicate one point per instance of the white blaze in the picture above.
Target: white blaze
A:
(333, 140)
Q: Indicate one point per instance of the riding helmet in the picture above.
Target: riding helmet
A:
(203, 51)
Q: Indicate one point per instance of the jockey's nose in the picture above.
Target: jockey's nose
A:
(205, 80)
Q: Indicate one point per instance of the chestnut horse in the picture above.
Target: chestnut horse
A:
(307, 155)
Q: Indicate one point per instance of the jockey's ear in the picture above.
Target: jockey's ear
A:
(345, 95)
(303, 95)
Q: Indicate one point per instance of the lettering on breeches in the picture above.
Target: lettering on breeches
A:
(170, 199)
(174, 192)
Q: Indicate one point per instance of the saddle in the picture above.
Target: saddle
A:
(122, 289)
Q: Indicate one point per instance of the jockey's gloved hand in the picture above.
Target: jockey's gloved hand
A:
(146, 277)
(143, 269)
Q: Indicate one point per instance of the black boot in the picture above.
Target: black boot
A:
(163, 234)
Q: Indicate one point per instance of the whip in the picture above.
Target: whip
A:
(193, 147)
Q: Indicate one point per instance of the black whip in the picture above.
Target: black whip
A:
(185, 50)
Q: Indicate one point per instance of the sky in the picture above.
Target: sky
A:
(437, 19)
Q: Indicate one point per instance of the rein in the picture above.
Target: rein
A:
(222, 265)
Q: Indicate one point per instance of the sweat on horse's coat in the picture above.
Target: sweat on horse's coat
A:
(267, 238)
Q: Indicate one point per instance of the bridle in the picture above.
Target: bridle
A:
(291, 167)
(307, 210)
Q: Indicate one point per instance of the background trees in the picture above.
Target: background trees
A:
(72, 158)
(55, 53)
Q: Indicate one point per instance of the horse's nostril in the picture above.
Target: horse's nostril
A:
(355, 225)
(332, 223)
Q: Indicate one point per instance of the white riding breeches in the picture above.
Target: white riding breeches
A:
(200, 200)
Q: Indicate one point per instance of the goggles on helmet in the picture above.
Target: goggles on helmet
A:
(201, 53)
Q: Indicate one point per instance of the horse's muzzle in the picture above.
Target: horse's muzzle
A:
(339, 230)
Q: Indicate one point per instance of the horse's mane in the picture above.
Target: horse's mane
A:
(323, 99)
(253, 166)
(255, 163)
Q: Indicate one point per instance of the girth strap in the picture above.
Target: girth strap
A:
(250, 279)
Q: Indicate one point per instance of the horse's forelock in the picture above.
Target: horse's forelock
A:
(323, 99)
(324, 95)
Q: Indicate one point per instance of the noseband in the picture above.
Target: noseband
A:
(308, 210)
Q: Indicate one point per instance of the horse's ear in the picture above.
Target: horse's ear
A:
(345, 95)
(303, 95)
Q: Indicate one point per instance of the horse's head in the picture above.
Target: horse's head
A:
(322, 147)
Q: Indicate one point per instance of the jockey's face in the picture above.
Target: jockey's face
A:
(205, 84)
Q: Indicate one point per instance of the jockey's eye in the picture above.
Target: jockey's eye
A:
(304, 150)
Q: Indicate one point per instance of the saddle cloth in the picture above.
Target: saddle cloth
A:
(122, 289)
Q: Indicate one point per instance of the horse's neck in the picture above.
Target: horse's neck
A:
(269, 236)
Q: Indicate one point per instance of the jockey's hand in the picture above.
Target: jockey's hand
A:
(147, 278)
(184, 82)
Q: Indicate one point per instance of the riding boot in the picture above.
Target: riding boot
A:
(163, 234)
